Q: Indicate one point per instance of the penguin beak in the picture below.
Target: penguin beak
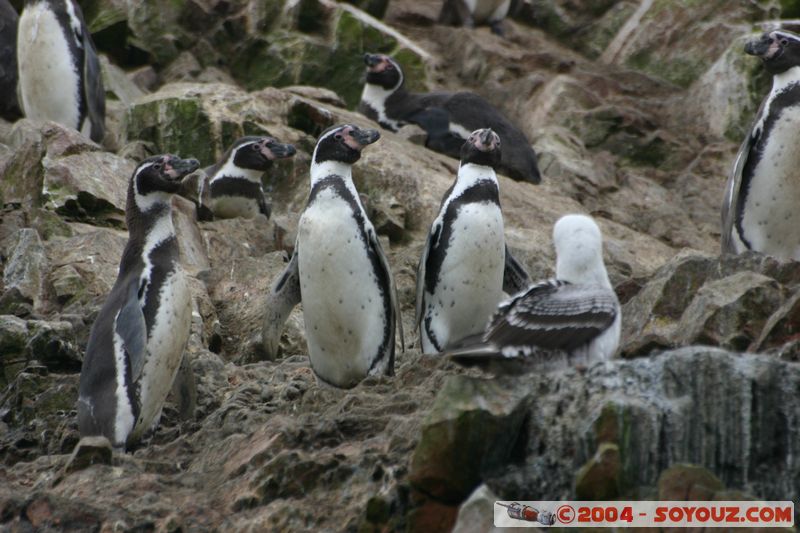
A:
(486, 137)
(372, 60)
(279, 150)
(177, 168)
(363, 137)
(761, 47)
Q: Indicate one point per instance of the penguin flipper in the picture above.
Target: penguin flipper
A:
(131, 328)
(515, 277)
(397, 322)
(436, 123)
(730, 203)
(433, 240)
(284, 295)
(94, 93)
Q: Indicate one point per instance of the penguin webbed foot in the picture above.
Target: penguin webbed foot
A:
(498, 28)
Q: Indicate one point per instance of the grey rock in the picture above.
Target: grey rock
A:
(27, 267)
(89, 451)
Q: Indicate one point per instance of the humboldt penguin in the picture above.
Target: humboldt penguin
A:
(339, 271)
(235, 181)
(136, 343)
(573, 319)
(466, 265)
(59, 72)
(9, 106)
(471, 13)
(760, 209)
(386, 101)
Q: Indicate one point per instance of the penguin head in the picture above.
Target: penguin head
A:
(779, 50)
(383, 71)
(258, 153)
(161, 174)
(343, 143)
(482, 148)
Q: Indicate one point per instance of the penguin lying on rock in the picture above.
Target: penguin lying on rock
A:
(466, 265)
(448, 118)
(235, 181)
(136, 343)
(475, 12)
(339, 271)
(760, 209)
(574, 319)
(59, 73)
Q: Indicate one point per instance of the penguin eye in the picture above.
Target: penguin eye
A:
(784, 42)
(338, 137)
(254, 147)
(157, 167)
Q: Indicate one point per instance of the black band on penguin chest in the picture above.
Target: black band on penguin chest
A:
(237, 187)
(337, 185)
(164, 259)
(787, 98)
(483, 191)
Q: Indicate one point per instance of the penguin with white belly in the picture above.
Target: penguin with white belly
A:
(137, 341)
(59, 72)
(466, 265)
(475, 12)
(759, 210)
(235, 181)
(339, 271)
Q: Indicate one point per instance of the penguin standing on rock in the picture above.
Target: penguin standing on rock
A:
(59, 72)
(235, 182)
(474, 12)
(339, 272)
(9, 106)
(136, 344)
(448, 118)
(574, 319)
(760, 209)
(466, 265)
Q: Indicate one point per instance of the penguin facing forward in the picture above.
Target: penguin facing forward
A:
(339, 272)
(475, 12)
(386, 101)
(59, 72)
(466, 265)
(573, 319)
(235, 181)
(759, 210)
(9, 106)
(137, 341)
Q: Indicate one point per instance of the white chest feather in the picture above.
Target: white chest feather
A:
(48, 80)
(771, 214)
(375, 97)
(342, 302)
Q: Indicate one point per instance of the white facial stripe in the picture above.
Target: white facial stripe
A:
(230, 170)
(325, 136)
(785, 35)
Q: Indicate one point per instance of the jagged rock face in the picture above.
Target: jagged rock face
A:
(635, 110)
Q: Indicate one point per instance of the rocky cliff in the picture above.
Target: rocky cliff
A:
(635, 109)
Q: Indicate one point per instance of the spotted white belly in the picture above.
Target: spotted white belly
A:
(48, 80)
(342, 303)
(772, 208)
(471, 280)
(165, 347)
(234, 206)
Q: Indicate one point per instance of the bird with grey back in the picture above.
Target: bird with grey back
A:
(573, 319)
(136, 343)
